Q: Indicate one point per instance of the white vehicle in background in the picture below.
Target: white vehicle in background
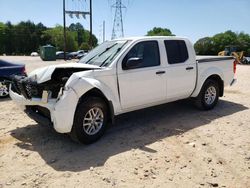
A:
(121, 76)
(34, 54)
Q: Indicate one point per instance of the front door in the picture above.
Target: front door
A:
(145, 83)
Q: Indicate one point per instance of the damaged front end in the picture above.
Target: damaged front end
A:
(30, 88)
(44, 98)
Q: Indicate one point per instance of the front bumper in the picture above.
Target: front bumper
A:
(61, 111)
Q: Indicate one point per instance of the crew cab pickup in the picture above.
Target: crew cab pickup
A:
(121, 76)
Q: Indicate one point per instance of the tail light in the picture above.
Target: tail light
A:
(235, 64)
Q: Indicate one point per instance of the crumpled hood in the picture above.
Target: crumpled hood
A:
(44, 74)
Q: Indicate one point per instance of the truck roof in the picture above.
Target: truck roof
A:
(152, 37)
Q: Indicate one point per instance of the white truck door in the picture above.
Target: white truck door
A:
(181, 70)
(142, 78)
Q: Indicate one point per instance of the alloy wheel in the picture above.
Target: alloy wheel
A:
(210, 95)
(93, 121)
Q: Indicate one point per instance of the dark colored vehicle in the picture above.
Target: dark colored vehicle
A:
(7, 71)
(60, 55)
(79, 54)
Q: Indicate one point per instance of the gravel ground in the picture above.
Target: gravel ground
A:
(172, 145)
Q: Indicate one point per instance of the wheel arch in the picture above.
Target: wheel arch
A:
(95, 92)
(210, 73)
(220, 82)
(215, 77)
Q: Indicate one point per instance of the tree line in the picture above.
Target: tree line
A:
(215, 44)
(26, 37)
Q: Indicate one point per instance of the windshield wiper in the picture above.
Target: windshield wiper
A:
(118, 49)
(98, 55)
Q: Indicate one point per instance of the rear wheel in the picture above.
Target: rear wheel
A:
(208, 96)
(90, 120)
(4, 88)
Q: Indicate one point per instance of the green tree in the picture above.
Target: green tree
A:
(56, 38)
(243, 40)
(78, 28)
(85, 46)
(25, 37)
(3, 28)
(204, 45)
(213, 45)
(158, 31)
(86, 37)
(8, 44)
(221, 40)
(22, 38)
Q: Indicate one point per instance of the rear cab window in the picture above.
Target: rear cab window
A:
(176, 51)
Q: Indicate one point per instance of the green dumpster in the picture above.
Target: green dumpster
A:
(48, 53)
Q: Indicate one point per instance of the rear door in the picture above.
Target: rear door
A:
(181, 70)
(145, 84)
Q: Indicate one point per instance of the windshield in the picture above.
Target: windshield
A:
(103, 55)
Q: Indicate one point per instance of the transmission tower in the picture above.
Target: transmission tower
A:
(118, 21)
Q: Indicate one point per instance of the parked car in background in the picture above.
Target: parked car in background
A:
(79, 54)
(7, 70)
(60, 55)
(75, 54)
(34, 54)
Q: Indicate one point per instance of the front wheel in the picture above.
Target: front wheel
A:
(4, 88)
(90, 120)
(208, 96)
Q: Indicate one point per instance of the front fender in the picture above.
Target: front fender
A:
(203, 76)
(83, 85)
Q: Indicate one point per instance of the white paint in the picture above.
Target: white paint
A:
(138, 88)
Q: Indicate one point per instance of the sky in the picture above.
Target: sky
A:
(190, 18)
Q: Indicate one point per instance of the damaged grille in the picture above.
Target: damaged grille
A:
(31, 89)
(26, 87)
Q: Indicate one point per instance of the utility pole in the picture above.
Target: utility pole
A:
(103, 31)
(64, 30)
(77, 14)
(118, 20)
(90, 16)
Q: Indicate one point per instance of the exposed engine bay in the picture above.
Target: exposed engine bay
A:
(30, 88)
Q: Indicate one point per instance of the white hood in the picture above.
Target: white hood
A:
(44, 74)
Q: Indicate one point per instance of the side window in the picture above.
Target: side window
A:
(176, 51)
(147, 52)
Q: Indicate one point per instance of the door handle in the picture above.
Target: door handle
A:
(160, 72)
(189, 68)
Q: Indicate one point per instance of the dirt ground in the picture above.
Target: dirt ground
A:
(172, 145)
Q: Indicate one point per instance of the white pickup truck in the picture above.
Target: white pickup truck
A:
(120, 76)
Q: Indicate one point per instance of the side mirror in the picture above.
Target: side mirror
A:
(133, 63)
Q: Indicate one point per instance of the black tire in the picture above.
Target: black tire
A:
(200, 100)
(3, 85)
(78, 132)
